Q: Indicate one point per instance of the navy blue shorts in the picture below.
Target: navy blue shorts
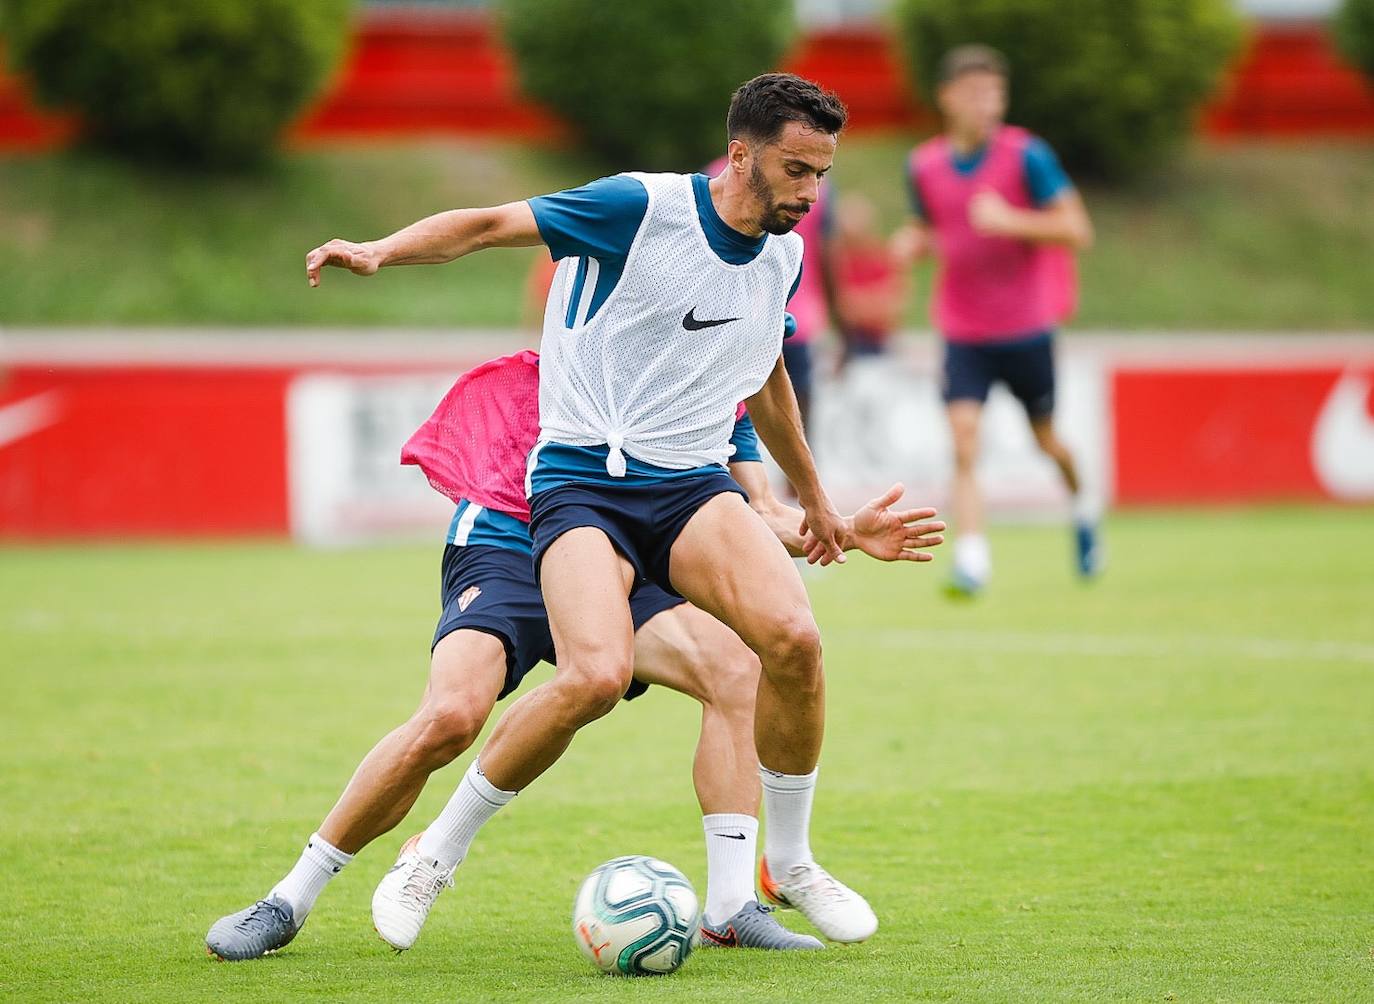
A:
(492, 590)
(1025, 365)
(642, 521)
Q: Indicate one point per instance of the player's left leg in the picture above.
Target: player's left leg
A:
(1028, 369)
(754, 588)
(689, 651)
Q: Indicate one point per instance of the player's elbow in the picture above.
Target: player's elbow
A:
(1084, 236)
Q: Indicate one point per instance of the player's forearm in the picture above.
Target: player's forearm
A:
(1057, 225)
(450, 235)
(436, 239)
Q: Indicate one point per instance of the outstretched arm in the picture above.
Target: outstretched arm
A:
(775, 415)
(876, 529)
(432, 241)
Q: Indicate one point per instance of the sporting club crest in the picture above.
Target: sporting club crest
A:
(469, 594)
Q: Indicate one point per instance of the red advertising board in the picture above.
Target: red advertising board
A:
(1237, 433)
(146, 449)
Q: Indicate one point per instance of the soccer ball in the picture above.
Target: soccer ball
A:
(636, 916)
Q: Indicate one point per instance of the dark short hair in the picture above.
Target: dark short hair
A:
(762, 107)
(972, 59)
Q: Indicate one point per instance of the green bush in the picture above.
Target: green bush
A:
(647, 82)
(1354, 29)
(201, 82)
(1111, 84)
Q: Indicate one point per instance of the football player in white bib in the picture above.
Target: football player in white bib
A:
(666, 310)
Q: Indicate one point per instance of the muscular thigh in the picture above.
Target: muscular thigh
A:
(586, 585)
(727, 562)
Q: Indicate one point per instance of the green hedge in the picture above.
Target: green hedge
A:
(646, 82)
(1354, 28)
(1113, 85)
(208, 82)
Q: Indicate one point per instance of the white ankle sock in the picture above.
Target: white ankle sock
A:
(972, 556)
(447, 839)
(1086, 508)
(318, 863)
(731, 846)
(787, 804)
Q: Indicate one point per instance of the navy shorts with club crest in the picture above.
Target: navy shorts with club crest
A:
(1025, 365)
(492, 590)
(641, 520)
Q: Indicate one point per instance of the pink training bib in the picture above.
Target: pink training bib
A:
(989, 288)
(476, 443)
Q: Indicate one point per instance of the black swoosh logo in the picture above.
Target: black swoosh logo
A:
(732, 836)
(692, 324)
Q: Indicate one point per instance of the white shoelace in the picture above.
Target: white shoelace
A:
(423, 885)
(824, 886)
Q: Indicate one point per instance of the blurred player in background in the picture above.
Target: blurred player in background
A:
(871, 281)
(992, 203)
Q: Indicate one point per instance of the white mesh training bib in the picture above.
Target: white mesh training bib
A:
(680, 341)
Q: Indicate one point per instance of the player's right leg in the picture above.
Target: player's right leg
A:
(595, 660)
(967, 380)
(467, 671)
(688, 650)
(586, 585)
(754, 588)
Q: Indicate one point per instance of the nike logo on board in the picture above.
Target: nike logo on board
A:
(1342, 443)
(692, 324)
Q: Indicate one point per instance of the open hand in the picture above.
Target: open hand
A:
(895, 534)
(360, 259)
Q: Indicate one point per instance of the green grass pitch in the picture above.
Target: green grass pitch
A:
(1157, 788)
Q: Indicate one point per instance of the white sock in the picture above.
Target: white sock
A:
(447, 839)
(787, 803)
(731, 845)
(1085, 507)
(319, 862)
(972, 556)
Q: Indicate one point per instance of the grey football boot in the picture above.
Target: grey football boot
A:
(753, 926)
(264, 927)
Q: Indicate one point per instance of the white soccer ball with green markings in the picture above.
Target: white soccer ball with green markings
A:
(636, 916)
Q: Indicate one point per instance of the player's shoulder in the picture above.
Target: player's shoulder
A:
(1031, 144)
(654, 182)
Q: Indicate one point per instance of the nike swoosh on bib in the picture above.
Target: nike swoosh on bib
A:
(692, 324)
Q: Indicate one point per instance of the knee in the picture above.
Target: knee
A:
(590, 690)
(445, 729)
(792, 649)
(965, 452)
(1046, 439)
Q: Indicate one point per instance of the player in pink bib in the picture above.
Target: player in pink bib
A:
(993, 205)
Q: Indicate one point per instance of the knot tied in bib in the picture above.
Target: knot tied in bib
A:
(615, 458)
